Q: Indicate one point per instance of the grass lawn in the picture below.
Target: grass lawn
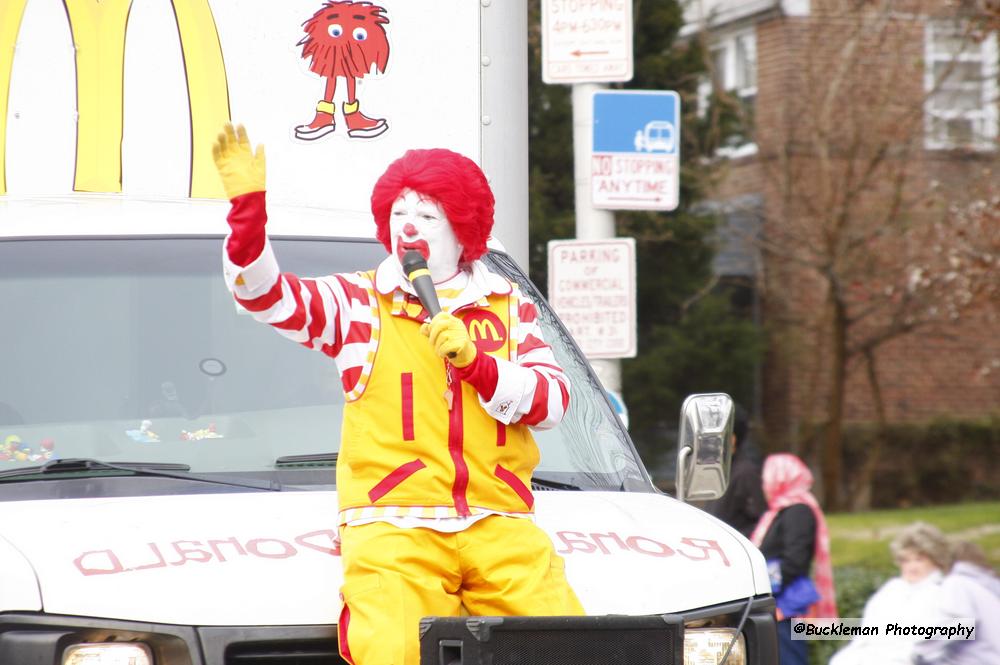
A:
(862, 539)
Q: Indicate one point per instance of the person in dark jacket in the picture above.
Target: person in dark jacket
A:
(743, 503)
(793, 538)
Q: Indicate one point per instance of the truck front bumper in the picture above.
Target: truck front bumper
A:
(41, 639)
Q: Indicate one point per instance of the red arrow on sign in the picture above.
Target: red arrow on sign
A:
(578, 53)
(634, 198)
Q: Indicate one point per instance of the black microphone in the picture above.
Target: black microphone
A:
(415, 269)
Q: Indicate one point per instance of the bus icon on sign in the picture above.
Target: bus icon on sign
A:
(658, 135)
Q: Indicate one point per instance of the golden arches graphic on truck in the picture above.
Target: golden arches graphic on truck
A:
(98, 29)
(11, 12)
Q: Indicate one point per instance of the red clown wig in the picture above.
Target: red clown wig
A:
(454, 181)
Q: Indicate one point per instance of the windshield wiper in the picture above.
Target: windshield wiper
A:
(545, 483)
(158, 469)
(72, 464)
(313, 459)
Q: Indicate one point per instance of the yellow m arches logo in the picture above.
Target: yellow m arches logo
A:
(484, 329)
(98, 28)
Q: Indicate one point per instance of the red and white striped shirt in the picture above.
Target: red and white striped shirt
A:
(338, 316)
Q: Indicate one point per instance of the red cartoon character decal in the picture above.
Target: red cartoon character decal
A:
(344, 39)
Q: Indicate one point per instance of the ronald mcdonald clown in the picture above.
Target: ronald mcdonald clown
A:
(434, 469)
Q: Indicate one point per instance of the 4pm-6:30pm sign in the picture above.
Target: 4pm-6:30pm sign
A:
(586, 41)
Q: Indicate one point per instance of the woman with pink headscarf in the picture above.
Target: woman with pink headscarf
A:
(793, 537)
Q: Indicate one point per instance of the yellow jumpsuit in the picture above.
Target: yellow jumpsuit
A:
(404, 450)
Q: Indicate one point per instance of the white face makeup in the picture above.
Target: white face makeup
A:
(417, 222)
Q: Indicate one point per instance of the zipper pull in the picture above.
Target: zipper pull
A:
(449, 394)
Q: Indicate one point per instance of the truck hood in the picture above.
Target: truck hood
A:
(274, 559)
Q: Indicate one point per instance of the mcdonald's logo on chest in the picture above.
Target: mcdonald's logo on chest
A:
(486, 330)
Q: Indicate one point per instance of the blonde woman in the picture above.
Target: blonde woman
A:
(923, 555)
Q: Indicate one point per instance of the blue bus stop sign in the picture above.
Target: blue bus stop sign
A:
(635, 162)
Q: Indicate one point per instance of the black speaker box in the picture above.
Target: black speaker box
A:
(604, 640)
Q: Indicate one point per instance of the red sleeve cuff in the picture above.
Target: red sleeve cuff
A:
(481, 374)
(246, 218)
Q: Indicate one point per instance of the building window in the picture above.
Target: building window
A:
(734, 70)
(961, 81)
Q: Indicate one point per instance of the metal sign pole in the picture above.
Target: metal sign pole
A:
(591, 223)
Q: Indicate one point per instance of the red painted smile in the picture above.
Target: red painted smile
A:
(403, 246)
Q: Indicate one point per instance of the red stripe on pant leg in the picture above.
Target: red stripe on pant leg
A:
(389, 483)
(406, 381)
(515, 484)
(501, 434)
(342, 624)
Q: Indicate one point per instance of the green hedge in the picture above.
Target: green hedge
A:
(944, 461)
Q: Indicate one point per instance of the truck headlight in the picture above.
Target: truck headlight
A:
(706, 646)
(110, 653)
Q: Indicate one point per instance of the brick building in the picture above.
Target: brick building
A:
(863, 122)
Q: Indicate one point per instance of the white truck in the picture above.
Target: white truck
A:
(167, 489)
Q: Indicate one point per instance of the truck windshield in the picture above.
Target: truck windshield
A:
(132, 350)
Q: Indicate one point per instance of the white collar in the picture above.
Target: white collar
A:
(482, 282)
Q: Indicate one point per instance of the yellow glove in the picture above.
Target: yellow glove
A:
(241, 170)
(450, 339)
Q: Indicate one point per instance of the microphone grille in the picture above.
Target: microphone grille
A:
(412, 260)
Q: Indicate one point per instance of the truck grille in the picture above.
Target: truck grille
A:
(572, 640)
(284, 652)
(553, 648)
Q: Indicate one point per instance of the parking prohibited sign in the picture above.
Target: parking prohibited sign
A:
(635, 160)
(592, 289)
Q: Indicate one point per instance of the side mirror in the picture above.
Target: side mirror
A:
(704, 447)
